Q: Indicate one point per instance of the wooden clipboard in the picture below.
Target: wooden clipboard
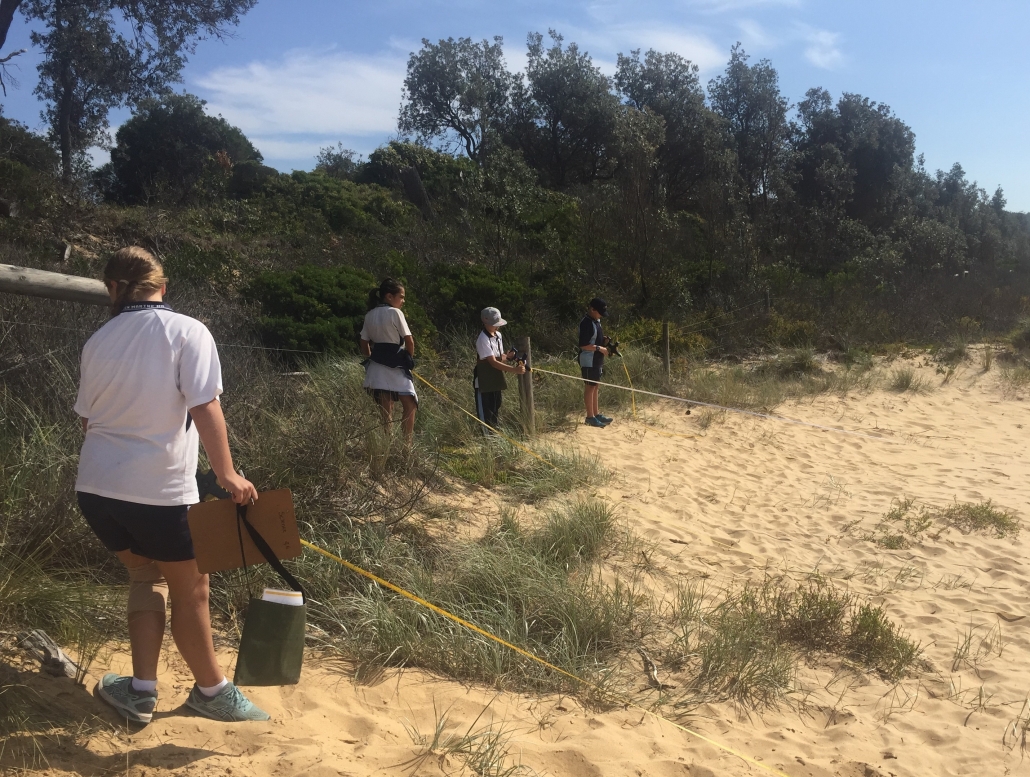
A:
(216, 537)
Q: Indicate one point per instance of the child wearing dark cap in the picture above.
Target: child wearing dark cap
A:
(591, 359)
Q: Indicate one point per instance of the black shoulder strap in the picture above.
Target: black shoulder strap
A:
(270, 557)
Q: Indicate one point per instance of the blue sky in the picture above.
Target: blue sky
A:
(302, 74)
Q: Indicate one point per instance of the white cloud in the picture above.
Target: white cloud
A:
(608, 38)
(754, 34)
(823, 50)
(722, 6)
(308, 99)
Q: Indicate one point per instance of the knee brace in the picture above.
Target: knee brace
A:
(148, 590)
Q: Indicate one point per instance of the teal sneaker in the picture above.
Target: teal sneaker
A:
(136, 706)
(593, 421)
(229, 705)
(604, 419)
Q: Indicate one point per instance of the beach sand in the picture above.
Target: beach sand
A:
(741, 500)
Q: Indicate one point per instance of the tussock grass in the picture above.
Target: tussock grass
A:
(744, 646)
(905, 379)
(534, 586)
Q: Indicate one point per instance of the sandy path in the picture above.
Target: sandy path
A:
(743, 499)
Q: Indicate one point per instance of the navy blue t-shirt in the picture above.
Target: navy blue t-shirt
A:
(591, 333)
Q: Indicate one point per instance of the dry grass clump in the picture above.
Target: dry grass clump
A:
(482, 750)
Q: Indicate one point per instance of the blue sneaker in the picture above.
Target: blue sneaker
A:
(229, 705)
(592, 421)
(604, 419)
(135, 706)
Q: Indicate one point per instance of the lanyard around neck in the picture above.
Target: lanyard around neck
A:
(132, 307)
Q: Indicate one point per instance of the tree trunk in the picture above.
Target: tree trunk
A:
(7, 9)
(64, 123)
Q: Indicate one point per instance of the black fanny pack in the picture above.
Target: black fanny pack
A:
(393, 355)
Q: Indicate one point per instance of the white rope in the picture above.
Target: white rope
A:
(783, 419)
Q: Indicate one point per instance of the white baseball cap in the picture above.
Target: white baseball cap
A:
(492, 317)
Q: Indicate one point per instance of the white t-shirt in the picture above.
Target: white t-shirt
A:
(140, 373)
(385, 324)
(489, 346)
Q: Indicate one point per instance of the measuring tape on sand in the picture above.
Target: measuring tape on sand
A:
(535, 658)
(766, 416)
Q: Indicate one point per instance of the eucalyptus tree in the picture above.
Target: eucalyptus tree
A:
(456, 90)
(668, 85)
(748, 98)
(102, 54)
(564, 116)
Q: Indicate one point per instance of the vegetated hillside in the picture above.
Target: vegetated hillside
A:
(754, 221)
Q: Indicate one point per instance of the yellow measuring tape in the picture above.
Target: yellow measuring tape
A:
(633, 395)
(526, 654)
(477, 419)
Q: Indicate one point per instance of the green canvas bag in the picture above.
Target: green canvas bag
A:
(272, 644)
(490, 379)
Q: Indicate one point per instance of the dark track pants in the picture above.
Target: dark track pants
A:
(488, 405)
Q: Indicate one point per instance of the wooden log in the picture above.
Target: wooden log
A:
(522, 345)
(52, 285)
(48, 653)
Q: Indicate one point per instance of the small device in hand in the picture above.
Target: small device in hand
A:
(612, 346)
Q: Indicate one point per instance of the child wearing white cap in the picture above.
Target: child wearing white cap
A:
(491, 364)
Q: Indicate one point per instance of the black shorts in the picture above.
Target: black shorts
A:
(591, 375)
(158, 532)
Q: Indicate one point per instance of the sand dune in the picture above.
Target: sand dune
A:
(740, 500)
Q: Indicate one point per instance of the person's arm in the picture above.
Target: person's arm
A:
(210, 423)
(409, 345)
(497, 364)
(85, 424)
(366, 347)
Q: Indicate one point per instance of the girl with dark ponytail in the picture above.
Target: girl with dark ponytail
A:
(377, 296)
(387, 342)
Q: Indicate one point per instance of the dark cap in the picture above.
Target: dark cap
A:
(599, 305)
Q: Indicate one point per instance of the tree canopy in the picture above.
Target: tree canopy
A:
(167, 147)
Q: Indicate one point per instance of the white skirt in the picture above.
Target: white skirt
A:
(382, 378)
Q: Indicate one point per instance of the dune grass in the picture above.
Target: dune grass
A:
(907, 523)
(905, 379)
(744, 644)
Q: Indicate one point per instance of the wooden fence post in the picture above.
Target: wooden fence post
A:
(52, 285)
(666, 357)
(526, 387)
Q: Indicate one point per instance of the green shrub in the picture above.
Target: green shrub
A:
(312, 308)
(457, 293)
(345, 205)
(321, 308)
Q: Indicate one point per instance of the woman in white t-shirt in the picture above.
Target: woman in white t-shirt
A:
(390, 348)
(148, 391)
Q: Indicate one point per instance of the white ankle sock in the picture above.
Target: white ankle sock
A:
(213, 690)
(144, 685)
